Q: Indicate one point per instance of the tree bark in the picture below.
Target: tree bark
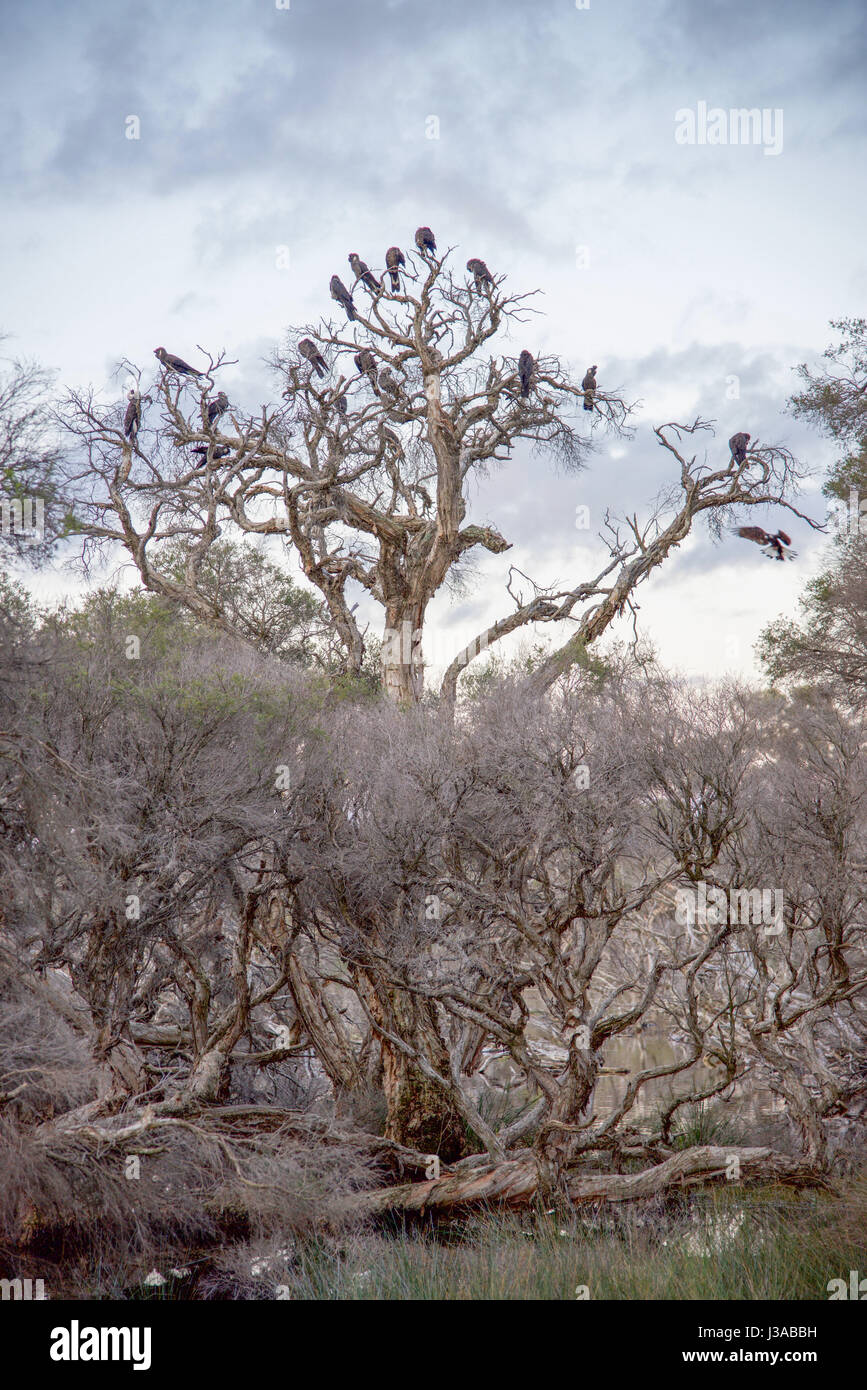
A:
(420, 1114)
(402, 669)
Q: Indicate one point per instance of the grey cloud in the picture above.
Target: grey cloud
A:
(305, 128)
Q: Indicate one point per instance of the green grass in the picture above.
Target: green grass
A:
(703, 1124)
(726, 1243)
(770, 1244)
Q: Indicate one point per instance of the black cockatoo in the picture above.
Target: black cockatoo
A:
(388, 382)
(341, 295)
(132, 415)
(220, 450)
(425, 240)
(365, 361)
(480, 273)
(217, 407)
(175, 364)
(394, 257)
(739, 443)
(340, 405)
(361, 270)
(526, 364)
(308, 349)
(770, 544)
(588, 386)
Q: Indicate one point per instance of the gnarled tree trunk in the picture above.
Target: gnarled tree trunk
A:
(421, 1114)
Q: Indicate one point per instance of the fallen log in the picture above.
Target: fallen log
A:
(516, 1181)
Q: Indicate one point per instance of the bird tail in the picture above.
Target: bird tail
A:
(395, 281)
(588, 400)
(320, 370)
(525, 388)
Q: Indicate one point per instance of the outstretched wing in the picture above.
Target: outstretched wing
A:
(753, 533)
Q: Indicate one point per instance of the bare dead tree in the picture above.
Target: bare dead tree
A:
(364, 473)
(768, 474)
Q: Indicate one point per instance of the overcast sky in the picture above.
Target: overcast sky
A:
(307, 127)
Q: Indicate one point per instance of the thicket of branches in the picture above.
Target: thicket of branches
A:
(264, 936)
